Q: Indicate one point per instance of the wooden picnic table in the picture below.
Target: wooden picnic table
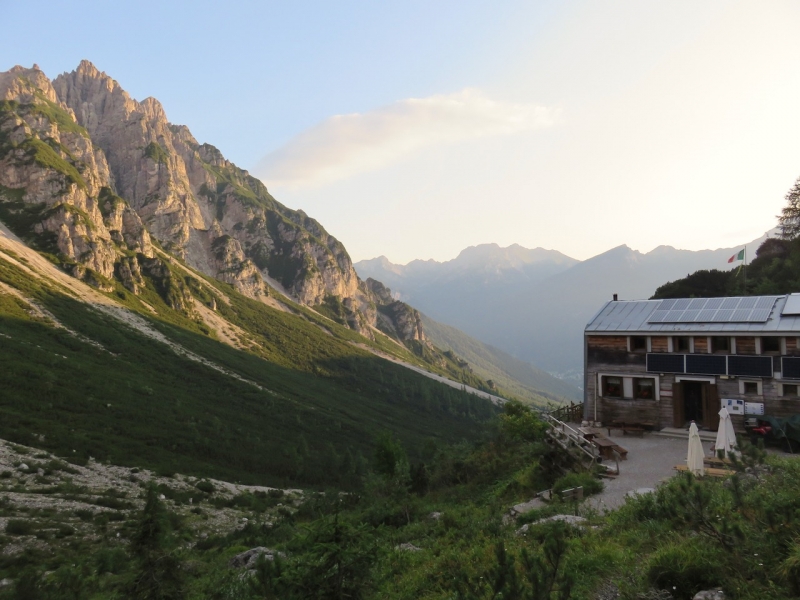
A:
(607, 448)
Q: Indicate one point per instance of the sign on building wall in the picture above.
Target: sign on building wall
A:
(754, 408)
(735, 407)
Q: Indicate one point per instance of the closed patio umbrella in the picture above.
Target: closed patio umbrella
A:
(694, 459)
(726, 438)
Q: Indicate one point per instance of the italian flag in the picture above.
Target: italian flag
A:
(739, 256)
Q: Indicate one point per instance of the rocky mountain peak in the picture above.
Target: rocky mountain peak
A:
(120, 172)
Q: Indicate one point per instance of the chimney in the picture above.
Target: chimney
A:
(615, 298)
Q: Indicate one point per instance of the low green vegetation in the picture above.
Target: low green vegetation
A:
(155, 152)
(431, 528)
(306, 410)
(56, 115)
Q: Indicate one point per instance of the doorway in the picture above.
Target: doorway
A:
(693, 401)
(696, 401)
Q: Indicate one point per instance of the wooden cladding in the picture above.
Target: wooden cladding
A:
(608, 342)
(745, 345)
(700, 344)
(659, 344)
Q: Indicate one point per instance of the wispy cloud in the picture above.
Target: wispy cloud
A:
(345, 145)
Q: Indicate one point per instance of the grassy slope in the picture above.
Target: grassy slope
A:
(521, 380)
(326, 399)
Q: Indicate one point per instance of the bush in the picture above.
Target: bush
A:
(205, 486)
(19, 527)
(685, 568)
(589, 483)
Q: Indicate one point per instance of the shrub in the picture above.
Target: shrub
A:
(589, 483)
(205, 486)
(19, 527)
(686, 567)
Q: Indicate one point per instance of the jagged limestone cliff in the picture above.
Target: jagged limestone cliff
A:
(92, 174)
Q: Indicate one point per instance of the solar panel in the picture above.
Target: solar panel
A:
(740, 314)
(792, 306)
(760, 315)
(666, 304)
(750, 366)
(681, 304)
(730, 303)
(790, 367)
(665, 363)
(766, 302)
(707, 314)
(754, 309)
(747, 303)
(698, 303)
(705, 364)
(722, 316)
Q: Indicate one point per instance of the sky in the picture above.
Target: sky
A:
(416, 129)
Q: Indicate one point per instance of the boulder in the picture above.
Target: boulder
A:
(710, 595)
(249, 558)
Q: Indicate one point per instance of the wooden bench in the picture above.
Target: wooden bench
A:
(633, 430)
(635, 427)
(713, 461)
(713, 472)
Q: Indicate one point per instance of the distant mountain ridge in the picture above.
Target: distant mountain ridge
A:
(536, 311)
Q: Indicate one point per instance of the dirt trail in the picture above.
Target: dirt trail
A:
(453, 384)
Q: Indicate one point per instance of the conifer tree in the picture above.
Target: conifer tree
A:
(789, 219)
(158, 575)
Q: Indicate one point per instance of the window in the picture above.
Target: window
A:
(771, 344)
(680, 344)
(612, 387)
(720, 344)
(638, 343)
(644, 389)
(790, 389)
(750, 388)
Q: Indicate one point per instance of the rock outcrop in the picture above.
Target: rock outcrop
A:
(92, 173)
(56, 185)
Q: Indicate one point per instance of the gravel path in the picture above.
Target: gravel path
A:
(650, 461)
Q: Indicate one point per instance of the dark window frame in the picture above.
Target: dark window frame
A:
(680, 340)
(637, 391)
(638, 343)
(607, 383)
(774, 342)
(717, 341)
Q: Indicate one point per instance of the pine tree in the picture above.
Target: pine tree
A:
(789, 220)
(158, 574)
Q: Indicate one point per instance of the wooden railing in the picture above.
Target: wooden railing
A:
(570, 413)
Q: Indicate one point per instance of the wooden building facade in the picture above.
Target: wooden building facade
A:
(668, 362)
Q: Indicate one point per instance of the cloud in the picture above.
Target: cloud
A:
(345, 145)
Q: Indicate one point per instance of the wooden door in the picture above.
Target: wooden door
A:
(678, 409)
(711, 407)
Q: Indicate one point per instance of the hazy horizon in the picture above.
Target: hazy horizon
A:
(418, 130)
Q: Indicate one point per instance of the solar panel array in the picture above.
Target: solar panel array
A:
(714, 310)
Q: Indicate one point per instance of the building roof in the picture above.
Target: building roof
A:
(766, 315)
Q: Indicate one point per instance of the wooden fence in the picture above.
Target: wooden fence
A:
(571, 413)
